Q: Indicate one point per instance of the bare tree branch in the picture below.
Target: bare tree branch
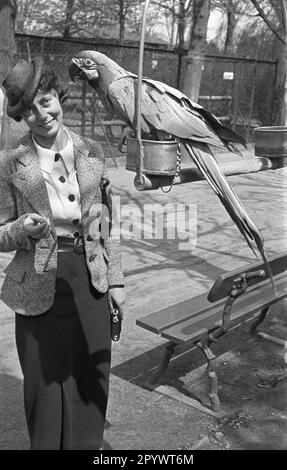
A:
(159, 4)
(270, 25)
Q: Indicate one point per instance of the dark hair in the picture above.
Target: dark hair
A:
(51, 81)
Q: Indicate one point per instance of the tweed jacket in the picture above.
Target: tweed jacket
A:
(29, 284)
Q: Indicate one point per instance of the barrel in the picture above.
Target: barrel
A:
(270, 141)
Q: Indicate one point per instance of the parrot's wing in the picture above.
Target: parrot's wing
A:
(160, 110)
(226, 134)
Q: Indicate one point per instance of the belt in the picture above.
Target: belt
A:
(70, 245)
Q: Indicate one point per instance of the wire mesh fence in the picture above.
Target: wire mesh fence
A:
(238, 91)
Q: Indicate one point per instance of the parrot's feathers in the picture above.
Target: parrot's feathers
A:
(155, 94)
(226, 134)
(160, 111)
(203, 158)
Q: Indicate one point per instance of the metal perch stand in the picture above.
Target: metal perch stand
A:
(139, 177)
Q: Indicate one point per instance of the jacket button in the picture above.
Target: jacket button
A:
(92, 258)
(71, 197)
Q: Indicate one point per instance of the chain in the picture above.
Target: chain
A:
(178, 160)
(177, 171)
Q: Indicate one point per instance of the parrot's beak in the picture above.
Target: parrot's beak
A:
(76, 73)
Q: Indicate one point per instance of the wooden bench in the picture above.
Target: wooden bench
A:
(243, 294)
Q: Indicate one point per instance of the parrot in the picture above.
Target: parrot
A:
(167, 112)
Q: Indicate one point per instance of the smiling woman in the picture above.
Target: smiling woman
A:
(44, 116)
(40, 109)
(63, 278)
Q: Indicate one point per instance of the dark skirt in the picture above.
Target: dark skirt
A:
(65, 358)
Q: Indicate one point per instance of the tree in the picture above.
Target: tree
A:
(8, 9)
(274, 14)
(177, 14)
(125, 8)
(230, 10)
(68, 18)
(196, 52)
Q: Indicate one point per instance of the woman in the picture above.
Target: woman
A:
(65, 270)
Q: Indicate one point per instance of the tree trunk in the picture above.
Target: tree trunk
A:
(282, 66)
(195, 56)
(279, 112)
(122, 19)
(7, 38)
(68, 19)
(8, 9)
(280, 102)
(228, 46)
(172, 39)
(181, 24)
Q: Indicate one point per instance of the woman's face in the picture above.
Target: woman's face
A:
(44, 116)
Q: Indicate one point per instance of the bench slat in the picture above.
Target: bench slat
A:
(194, 307)
(245, 306)
(191, 309)
(223, 283)
(169, 316)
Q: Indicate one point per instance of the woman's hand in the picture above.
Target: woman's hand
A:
(118, 296)
(36, 226)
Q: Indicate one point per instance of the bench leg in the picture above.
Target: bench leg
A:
(211, 373)
(253, 330)
(259, 320)
(273, 339)
(204, 345)
(169, 351)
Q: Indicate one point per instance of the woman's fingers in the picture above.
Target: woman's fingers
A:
(45, 231)
(37, 226)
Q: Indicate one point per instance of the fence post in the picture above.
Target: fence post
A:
(93, 114)
(180, 53)
(211, 85)
(236, 86)
(252, 96)
(42, 46)
(274, 117)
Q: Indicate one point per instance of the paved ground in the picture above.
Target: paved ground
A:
(159, 274)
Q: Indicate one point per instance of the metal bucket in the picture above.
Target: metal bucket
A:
(160, 157)
(270, 141)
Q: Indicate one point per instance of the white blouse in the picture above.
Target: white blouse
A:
(63, 190)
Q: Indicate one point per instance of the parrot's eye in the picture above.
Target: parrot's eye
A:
(89, 62)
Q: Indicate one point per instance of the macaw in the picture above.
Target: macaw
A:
(166, 112)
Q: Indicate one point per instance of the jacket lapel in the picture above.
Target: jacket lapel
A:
(89, 170)
(29, 179)
(30, 182)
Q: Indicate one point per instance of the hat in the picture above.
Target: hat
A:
(21, 85)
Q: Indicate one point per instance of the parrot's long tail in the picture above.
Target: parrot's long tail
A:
(205, 161)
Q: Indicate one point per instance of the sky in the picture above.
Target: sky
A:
(214, 22)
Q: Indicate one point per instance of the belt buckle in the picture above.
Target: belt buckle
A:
(78, 245)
